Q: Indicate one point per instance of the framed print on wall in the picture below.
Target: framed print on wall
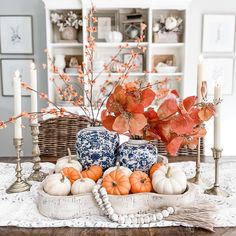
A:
(8, 68)
(106, 22)
(16, 35)
(218, 33)
(221, 70)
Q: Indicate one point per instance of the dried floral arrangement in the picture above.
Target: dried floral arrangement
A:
(128, 105)
(168, 24)
(64, 20)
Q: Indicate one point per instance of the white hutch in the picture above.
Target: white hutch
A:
(150, 9)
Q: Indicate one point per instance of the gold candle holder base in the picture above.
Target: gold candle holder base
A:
(197, 179)
(37, 174)
(216, 190)
(19, 185)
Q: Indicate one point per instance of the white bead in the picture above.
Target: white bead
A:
(108, 205)
(147, 219)
(128, 221)
(99, 201)
(110, 211)
(103, 208)
(153, 218)
(165, 213)
(121, 220)
(131, 215)
(105, 200)
(96, 196)
(171, 210)
(103, 189)
(141, 220)
(134, 220)
(159, 216)
(115, 217)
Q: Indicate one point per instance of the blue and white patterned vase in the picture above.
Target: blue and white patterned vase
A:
(137, 155)
(96, 146)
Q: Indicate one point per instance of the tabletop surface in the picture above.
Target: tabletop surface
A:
(170, 231)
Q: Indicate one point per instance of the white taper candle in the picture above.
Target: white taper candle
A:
(17, 104)
(34, 97)
(217, 119)
(200, 71)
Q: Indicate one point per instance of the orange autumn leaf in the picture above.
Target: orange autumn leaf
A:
(167, 108)
(120, 124)
(174, 145)
(147, 97)
(133, 106)
(182, 124)
(108, 122)
(189, 102)
(206, 112)
(137, 122)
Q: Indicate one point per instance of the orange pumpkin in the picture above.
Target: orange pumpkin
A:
(116, 183)
(155, 167)
(140, 182)
(94, 173)
(71, 173)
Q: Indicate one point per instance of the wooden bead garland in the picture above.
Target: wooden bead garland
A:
(102, 199)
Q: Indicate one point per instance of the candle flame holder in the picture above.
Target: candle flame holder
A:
(197, 179)
(19, 185)
(37, 174)
(216, 190)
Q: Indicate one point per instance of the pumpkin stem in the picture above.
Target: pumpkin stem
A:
(62, 177)
(117, 165)
(143, 180)
(114, 184)
(81, 176)
(168, 175)
(69, 153)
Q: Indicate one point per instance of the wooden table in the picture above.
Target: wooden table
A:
(162, 231)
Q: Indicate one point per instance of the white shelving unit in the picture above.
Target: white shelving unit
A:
(151, 8)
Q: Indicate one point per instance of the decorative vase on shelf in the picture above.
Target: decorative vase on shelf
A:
(69, 33)
(137, 155)
(60, 63)
(96, 146)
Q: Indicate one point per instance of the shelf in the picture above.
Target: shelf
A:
(111, 45)
(119, 74)
(167, 45)
(167, 74)
(65, 45)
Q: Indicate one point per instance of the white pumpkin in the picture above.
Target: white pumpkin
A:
(169, 180)
(57, 185)
(67, 161)
(125, 170)
(83, 185)
(114, 37)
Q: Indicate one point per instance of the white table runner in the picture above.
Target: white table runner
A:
(21, 209)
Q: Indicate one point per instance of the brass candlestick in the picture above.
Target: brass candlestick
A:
(197, 179)
(19, 185)
(216, 190)
(37, 175)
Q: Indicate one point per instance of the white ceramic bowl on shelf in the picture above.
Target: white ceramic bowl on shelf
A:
(166, 69)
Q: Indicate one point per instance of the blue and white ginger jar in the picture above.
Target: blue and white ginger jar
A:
(96, 146)
(137, 155)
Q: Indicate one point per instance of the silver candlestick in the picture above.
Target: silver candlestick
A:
(216, 190)
(37, 174)
(197, 179)
(19, 185)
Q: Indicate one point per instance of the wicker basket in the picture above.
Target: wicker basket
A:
(58, 134)
(167, 37)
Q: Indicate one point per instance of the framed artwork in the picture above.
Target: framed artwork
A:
(106, 22)
(138, 61)
(218, 33)
(219, 70)
(8, 68)
(16, 35)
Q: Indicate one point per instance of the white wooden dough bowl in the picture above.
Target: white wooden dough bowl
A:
(74, 206)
